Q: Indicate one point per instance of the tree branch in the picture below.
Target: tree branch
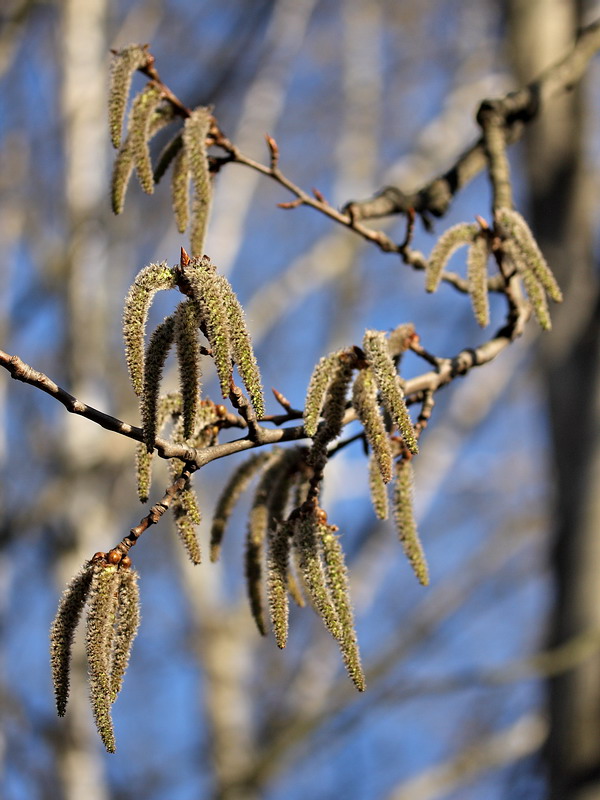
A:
(515, 109)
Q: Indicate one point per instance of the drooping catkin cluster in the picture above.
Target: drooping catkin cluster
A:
(520, 248)
(282, 532)
(211, 308)
(152, 110)
(110, 592)
(478, 241)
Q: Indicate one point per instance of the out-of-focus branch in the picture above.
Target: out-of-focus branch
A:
(518, 740)
(515, 109)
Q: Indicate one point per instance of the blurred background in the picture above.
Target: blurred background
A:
(358, 95)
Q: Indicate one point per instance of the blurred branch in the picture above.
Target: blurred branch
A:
(518, 740)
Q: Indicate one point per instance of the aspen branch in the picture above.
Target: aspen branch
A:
(515, 110)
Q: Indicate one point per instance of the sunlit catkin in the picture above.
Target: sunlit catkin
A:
(477, 258)
(258, 524)
(62, 633)
(148, 281)
(195, 131)
(377, 489)
(448, 243)
(138, 133)
(307, 546)
(241, 347)
(128, 621)
(187, 343)
(404, 517)
(278, 552)
(317, 387)
(156, 355)
(99, 642)
(124, 63)
(366, 405)
(180, 185)
(512, 226)
(388, 382)
(208, 293)
(334, 408)
(339, 591)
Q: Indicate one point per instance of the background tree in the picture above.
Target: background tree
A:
(319, 77)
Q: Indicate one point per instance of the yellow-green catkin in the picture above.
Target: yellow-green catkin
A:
(148, 281)
(62, 633)
(258, 524)
(195, 131)
(448, 243)
(278, 552)
(388, 382)
(138, 133)
(180, 184)
(339, 591)
(533, 288)
(241, 346)
(128, 621)
(334, 408)
(124, 63)
(187, 320)
(366, 405)
(378, 489)
(317, 388)
(121, 174)
(186, 514)
(404, 517)
(477, 258)
(235, 486)
(143, 471)
(156, 355)
(537, 298)
(306, 544)
(513, 226)
(99, 642)
(208, 293)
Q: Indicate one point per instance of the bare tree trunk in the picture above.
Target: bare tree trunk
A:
(560, 198)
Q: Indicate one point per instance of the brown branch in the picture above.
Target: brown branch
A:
(446, 370)
(515, 109)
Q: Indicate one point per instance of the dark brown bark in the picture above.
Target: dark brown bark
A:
(561, 214)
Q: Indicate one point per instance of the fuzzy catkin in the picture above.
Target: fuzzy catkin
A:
(128, 621)
(195, 131)
(241, 347)
(317, 387)
(62, 633)
(208, 293)
(124, 63)
(513, 226)
(406, 525)
(187, 343)
(477, 258)
(388, 382)
(448, 243)
(99, 641)
(156, 355)
(148, 281)
(366, 405)
(339, 591)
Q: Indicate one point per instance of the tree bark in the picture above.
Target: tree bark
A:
(561, 205)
